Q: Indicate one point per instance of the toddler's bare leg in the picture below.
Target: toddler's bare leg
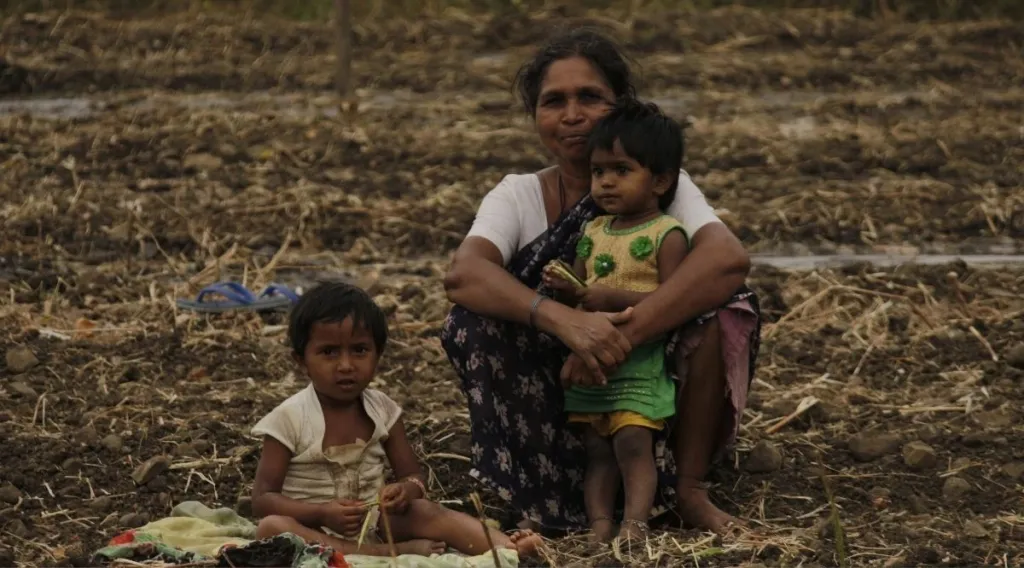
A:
(634, 452)
(429, 520)
(600, 485)
(274, 525)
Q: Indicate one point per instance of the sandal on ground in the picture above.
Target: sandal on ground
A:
(239, 298)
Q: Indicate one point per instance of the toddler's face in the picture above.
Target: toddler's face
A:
(340, 359)
(620, 185)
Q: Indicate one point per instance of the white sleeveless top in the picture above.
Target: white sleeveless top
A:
(512, 214)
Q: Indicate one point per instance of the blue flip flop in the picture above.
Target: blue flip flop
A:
(238, 297)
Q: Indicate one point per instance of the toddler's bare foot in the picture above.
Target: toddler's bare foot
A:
(602, 530)
(698, 511)
(526, 542)
(421, 547)
(633, 529)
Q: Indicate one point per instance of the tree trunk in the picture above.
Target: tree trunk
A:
(343, 22)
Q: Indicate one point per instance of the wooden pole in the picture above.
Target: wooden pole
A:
(343, 22)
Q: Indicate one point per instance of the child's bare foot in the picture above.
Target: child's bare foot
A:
(526, 542)
(633, 529)
(602, 530)
(698, 511)
(421, 547)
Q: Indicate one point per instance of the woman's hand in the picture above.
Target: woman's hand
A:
(594, 339)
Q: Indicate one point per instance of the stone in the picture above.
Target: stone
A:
(974, 529)
(928, 433)
(1015, 356)
(21, 389)
(20, 359)
(764, 458)
(101, 504)
(149, 469)
(955, 488)
(10, 494)
(113, 443)
(17, 528)
(919, 455)
(133, 520)
(871, 446)
(1013, 470)
(827, 412)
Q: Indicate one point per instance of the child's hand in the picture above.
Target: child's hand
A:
(344, 516)
(598, 298)
(394, 498)
(558, 283)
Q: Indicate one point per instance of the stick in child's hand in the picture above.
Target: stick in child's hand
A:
(387, 531)
(483, 523)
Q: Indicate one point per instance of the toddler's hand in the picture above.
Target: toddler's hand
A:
(394, 498)
(344, 516)
(559, 283)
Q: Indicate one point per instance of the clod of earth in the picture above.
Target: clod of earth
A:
(764, 458)
(71, 466)
(1015, 357)
(101, 504)
(918, 504)
(870, 446)
(919, 455)
(1013, 470)
(881, 497)
(975, 529)
(113, 443)
(151, 468)
(17, 528)
(24, 390)
(133, 520)
(202, 162)
(20, 359)
(955, 488)
(9, 494)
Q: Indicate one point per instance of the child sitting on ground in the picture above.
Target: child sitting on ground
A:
(321, 469)
(635, 159)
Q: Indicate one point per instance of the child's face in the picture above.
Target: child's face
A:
(621, 186)
(340, 359)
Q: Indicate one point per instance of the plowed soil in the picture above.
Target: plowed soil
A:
(188, 149)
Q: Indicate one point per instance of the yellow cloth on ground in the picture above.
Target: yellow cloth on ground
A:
(194, 527)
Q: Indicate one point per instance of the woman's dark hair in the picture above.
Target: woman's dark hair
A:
(588, 43)
(646, 135)
(333, 302)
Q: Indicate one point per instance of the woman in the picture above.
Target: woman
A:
(510, 344)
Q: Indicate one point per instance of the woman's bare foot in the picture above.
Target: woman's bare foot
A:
(421, 547)
(697, 510)
(602, 530)
(526, 542)
(633, 529)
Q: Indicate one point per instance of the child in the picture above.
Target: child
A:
(324, 449)
(635, 159)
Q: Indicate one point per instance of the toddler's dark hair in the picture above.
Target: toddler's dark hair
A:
(332, 302)
(647, 135)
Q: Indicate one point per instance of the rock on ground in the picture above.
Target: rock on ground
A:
(765, 457)
(20, 359)
(955, 488)
(871, 446)
(919, 455)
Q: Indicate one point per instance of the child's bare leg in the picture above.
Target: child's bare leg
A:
(429, 520)
(274, 525)
(634, 452)
(600, 485)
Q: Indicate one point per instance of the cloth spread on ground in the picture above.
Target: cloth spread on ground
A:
(195, 533)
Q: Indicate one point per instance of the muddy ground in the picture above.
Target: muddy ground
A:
(187, 149)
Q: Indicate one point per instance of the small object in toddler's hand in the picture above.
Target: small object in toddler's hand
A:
(562, 268)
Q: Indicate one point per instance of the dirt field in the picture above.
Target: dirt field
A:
(191, 149)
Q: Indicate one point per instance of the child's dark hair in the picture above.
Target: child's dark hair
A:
(647, 135)
(332, 302)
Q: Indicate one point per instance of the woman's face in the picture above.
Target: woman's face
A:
(573, 97)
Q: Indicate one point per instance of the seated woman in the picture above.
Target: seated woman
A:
(510, 344)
